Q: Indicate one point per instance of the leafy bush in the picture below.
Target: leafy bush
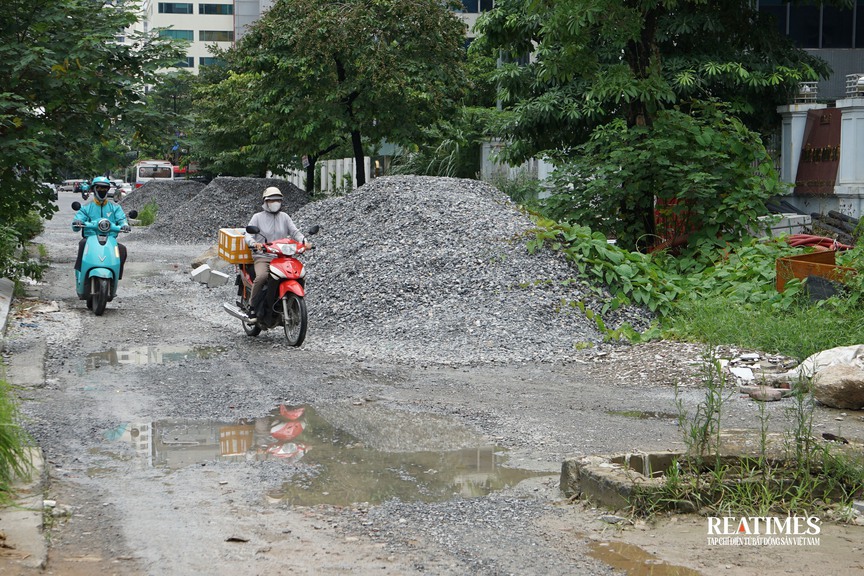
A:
(29, 225)
(12, 264)
(522, 188)
(709, 174)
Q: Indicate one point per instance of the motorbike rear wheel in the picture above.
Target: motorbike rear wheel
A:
(294, 318)
(101, 288)
(251, 329)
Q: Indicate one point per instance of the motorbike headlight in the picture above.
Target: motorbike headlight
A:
(104, 225)
(287, 249)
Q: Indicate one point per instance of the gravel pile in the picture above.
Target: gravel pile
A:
(410, 269)
(436, 270)
(191, 213)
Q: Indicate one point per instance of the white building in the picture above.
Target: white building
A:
(202, 24)
(223, 22)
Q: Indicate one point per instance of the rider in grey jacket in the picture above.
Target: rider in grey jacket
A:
(273, 225)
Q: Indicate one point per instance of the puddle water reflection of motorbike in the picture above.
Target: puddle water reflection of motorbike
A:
(337, 468)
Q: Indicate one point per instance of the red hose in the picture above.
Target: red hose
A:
(799, 240)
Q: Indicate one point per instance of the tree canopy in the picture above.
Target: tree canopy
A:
(66, 81)
(313, 75)
(595, 60)
(601, 72)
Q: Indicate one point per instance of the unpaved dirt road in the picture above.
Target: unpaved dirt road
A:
(176, 445)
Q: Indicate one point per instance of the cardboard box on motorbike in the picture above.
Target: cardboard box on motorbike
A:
(232, 246)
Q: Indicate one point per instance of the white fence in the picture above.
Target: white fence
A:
(336, 175)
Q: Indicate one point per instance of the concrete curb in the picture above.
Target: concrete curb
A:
(7, 287)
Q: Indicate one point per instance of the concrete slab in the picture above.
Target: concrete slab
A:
(27, 368)
(201, 274)
(217, 279)
(22, 521)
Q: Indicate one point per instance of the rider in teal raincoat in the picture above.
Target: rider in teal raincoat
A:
(100, 207)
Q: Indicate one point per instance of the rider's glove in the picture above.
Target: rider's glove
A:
(77, 224)
(125, 228)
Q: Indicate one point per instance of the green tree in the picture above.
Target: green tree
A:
(319, 74)
(66, 81)
(595, 61)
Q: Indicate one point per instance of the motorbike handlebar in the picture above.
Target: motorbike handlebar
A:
(90, 225)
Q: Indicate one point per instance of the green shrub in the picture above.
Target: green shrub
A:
(29, 225)
(147, 215)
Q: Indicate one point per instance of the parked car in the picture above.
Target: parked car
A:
(69, 185)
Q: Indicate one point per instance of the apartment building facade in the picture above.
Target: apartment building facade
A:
(202, 24)
(223, 22)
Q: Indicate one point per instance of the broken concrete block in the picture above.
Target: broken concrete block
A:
(201, 274)
(766, 394)
(217, 279)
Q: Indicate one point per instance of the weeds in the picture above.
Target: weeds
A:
(148, 213)
(801, 475)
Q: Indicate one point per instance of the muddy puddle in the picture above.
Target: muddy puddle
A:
(145, 355)
(634, 561)
(324, 464)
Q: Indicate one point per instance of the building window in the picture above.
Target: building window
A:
(175, 8)
(178, 34)
(859, 24)
(188, 62)
(221, 9)
(837, 26)
(216, 35)
(779, 9)
(804, 25)
(210, 61)
(476, 6)
(813, 25)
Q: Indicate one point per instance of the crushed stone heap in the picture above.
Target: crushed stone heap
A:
(191, 213)
(437, 270)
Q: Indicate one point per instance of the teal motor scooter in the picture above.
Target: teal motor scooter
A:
(99, 276)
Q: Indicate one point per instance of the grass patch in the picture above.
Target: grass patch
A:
(15, 463)
(797, 332)
(147, 215)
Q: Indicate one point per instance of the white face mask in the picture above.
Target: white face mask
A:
(273, 206)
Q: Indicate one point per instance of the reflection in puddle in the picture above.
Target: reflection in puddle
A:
(148, 355)
(635, 561)
(338, 469)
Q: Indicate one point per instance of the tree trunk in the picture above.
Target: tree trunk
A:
(356, 140)
(359, 158)
(639, 55)
(310, 175)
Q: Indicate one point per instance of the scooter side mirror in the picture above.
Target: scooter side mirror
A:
(133, 214)
(313, 230)
(76, 205)
(253, 229)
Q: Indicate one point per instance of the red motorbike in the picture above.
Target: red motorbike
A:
(281, 300)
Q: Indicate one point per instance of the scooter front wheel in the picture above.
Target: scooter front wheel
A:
(101, 288)
(294, 318)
